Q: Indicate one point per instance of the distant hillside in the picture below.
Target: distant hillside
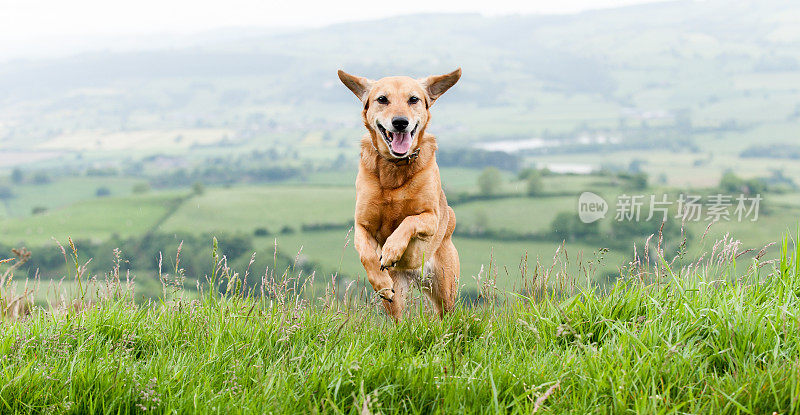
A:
(655, 57)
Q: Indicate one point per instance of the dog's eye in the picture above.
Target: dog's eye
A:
(413, 100)
(382, 99)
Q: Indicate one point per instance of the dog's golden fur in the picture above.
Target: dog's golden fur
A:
(403, 225)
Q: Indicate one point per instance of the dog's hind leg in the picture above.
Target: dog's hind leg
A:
(443, 284)
(401, 287)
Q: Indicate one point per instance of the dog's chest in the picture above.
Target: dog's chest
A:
(382, 209)
(393, 209)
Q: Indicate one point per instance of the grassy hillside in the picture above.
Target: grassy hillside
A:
(717, 338)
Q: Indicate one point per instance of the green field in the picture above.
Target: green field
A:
(520, 215)
(283, 210)
(95, 219)
(244, 209)
(62, 192)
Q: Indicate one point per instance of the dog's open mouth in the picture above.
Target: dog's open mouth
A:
(399, 143)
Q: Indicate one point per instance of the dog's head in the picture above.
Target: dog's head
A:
(396, 109)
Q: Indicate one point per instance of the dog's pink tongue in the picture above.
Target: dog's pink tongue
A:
(401, 142)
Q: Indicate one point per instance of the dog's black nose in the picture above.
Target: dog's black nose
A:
(400, 123)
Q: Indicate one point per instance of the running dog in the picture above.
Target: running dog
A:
(403, 224)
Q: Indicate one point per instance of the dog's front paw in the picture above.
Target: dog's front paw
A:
(384, 289)
(383, 285)
(390, 255)
(387, 295)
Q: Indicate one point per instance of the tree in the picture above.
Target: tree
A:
(534, 185)
(41, 178)
(102, 192)
(567, 226)
(17, 176)
(561, 226)
(198, 188)
(635, 181)
(733, 184)
(627, 230)
(6, 193)
(779, 178)
(140, 188)
(639, 181)
(234, 246)
(730, 183)
(481, 221)
(635, 166)
(489, 181)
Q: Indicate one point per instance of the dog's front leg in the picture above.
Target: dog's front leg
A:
(367, 247)
(421, 226)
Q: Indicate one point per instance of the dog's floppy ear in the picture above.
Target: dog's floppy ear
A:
(360, 86)
(436, 85)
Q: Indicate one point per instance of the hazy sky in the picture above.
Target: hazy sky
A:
(20, 19)
(42, 27)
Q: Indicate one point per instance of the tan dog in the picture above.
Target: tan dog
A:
(403, 225)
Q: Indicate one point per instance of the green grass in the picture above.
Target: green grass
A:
(718, 339)
(52, 292)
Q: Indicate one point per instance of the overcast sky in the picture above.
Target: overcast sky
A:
(32, 27)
